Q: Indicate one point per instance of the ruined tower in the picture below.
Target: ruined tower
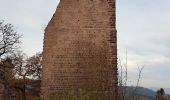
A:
(80, 51)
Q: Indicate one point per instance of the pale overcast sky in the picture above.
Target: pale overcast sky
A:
(143, 30)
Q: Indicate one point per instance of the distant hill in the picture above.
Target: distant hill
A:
(145, 92)
(167, 90)
(141, 92)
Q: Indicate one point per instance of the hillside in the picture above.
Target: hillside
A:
(141, 93)
(167, 90)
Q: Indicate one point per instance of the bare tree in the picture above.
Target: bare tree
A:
(26, 68)
(140, 69)
(124, 92)
(20, 69)
(35, 64)
(9, 38)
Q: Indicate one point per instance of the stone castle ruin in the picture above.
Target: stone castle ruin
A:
(80, 51)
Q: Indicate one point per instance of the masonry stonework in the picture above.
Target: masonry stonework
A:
(1, 90)
(80, 50)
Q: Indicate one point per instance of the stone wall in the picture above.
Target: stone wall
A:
(80, 50)
(1, 90)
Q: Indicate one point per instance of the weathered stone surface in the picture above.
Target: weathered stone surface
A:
(1, 91)
(80, 49)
